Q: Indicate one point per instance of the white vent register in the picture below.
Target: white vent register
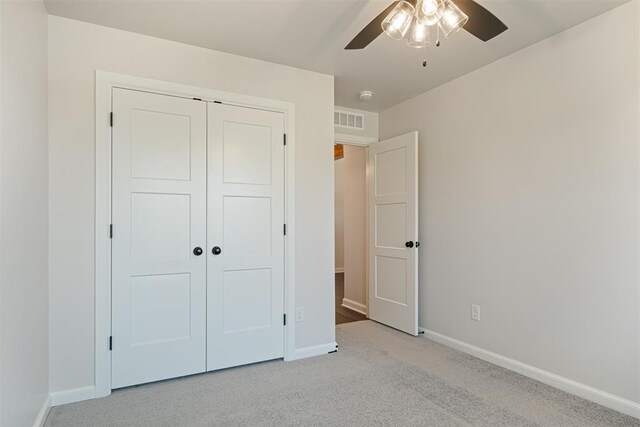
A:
(348, 119)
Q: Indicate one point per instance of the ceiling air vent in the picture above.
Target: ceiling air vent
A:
(348, 119)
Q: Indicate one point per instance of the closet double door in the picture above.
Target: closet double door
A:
(197, 237)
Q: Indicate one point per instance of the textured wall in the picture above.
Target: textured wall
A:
(529, 192)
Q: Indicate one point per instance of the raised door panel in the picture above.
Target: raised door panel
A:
(250, 289)
(391, 177)
(247, 230)
(160, 308)
(246, 153)
(391, 279)
(160, 145)
(160, 226)
(391, 225)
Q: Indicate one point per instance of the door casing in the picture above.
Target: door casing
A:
(105, 83)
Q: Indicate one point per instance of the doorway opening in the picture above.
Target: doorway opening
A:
(377, 232)
(350, 169)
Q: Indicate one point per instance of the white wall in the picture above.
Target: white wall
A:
(76, 50)
(529, 192)
(338, 172)
(24, 375)
(355, 224)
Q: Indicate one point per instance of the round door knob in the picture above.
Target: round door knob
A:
(197, 251)
(216, 250)
(409, 244)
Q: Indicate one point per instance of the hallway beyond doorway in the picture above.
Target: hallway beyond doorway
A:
(344, 315)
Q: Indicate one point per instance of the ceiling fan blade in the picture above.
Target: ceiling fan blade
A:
(482, 23)
(371, 31)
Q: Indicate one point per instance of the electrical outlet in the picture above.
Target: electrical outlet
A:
(299, 314)
(475, 312)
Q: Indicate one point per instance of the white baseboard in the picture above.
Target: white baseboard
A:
(73, 395)
(316, 350)
(603, 398)
(339, 270)
(44, 411)
(355, 306)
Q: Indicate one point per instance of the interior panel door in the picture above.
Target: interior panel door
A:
(159, 218)
(393, 232)
(245, 283)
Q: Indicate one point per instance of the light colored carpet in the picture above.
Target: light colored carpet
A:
(379, 377)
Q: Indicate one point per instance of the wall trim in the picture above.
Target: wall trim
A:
(312, 351)
(104, 83)
(339, 270)
(593, 394)
(343, 138)
(73, 395)
(354, 306)
(44, 411)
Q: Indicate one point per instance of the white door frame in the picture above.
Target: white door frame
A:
(105, 82)
(359, 141)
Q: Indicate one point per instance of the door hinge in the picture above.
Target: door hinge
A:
(197, 99)
(217, 102)
(111, 231)
(284, 229)
(110, 343)
(285, 319)
(285, 139)
(111, 119)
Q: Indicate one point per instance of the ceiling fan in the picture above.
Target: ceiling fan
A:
(421, 18)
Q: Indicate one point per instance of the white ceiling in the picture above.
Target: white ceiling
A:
(311, 34)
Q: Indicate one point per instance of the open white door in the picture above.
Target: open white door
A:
(393, 232)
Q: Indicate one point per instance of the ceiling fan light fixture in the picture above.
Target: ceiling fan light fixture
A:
(429, 12)
(397, 23)
(452, 19)
(419, 34)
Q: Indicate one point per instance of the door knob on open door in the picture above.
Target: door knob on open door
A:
(216, 250)
(197, 251)
(409, 244)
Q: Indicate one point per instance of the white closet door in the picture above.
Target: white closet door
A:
(393, 232)
(245, 281)
(159, 218)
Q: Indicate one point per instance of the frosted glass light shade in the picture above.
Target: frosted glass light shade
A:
(397, 23)
(429, 12)
(452, 19)
(419, 34)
